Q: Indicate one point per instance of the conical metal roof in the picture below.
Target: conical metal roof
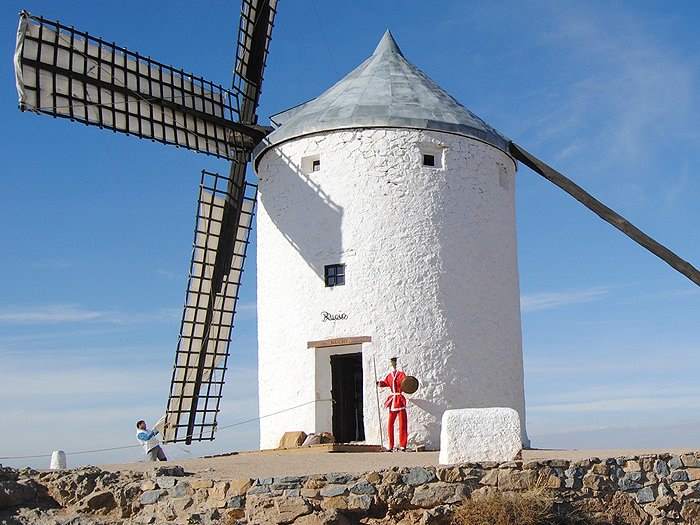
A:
(386, 90)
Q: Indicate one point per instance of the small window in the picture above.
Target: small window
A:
(335, 275)
(428, 160)
(311, 163)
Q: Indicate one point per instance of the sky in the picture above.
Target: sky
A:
(96, 228)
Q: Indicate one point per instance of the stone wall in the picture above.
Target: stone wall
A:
(646, 490)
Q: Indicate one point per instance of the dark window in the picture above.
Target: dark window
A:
(428, 160)
(335, 275)
(316, 165)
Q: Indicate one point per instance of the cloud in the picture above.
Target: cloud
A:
(626, 90)
(72, 314)
(50, 314)
(619, 435)
(549, 300)
(626, 404)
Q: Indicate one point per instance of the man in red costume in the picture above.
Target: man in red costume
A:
(396, 403)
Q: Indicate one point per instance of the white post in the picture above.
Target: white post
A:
(58, 460)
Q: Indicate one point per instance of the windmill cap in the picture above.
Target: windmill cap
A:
(385, 91)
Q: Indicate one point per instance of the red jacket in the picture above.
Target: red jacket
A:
(396, 400)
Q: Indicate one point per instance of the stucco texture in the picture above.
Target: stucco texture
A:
(431, 275)
(473, 435)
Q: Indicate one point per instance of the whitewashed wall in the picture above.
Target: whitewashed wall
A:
(431, 274)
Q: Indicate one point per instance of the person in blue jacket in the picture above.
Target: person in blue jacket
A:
(149, 442)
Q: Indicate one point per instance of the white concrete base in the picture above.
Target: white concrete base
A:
(470, 435)
(58, 460)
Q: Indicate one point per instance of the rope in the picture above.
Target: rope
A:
(109, 449)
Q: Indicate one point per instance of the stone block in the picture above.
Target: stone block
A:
(490, 478)
(363, 487)
(219, 493)
(100, 500)
(418, 476)
(152, 496)
(335, 502)
(259, 489)
(309, 493)
(479, 434)
(292, 439)
(314, 484)
(516, 479)
(690, 460)
(236, 502)
(675, 463)
(632, 466)
(679, 475)
(433, 494)
(646, 495)
(693, 473)
(182, 504)
(181, 490)
(601, 470)
(166, 482)
(339, 477)
(631, 481)
(357, 503)
(374, 478)
(330, 517)
(282, 510)
(201, 484)
(449, 474)
(594, 482)
(550, 482)
(661, 468)
(169, 470)
(148, 485)
(333, 490)
(238, 487)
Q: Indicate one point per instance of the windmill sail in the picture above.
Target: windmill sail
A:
(199, 367)
(63, 72)
(605, 213)
(207, 321)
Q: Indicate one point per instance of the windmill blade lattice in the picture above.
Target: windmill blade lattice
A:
(207, 321)
(189, 416)
(66, 73)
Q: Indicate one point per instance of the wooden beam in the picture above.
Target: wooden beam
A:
(339, 341)
(605, 213)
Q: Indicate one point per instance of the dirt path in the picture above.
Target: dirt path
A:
(296, 463)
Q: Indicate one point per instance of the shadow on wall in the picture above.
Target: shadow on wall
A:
(430, 431)
(303, 213)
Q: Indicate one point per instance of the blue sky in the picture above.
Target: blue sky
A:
(96, 228)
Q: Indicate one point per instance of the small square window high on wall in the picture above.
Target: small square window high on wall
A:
(316, 165)
(334, 275)
(428, 160)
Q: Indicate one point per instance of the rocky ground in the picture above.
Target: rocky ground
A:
(654, 489)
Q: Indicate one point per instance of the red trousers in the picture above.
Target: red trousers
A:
(403, 428)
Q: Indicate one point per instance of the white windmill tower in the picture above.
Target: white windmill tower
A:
(386, 227)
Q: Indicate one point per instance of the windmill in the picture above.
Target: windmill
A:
(63, 72)
(67, 73)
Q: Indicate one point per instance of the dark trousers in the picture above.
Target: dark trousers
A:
(156, 454)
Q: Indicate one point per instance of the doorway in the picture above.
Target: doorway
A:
(346, 392)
